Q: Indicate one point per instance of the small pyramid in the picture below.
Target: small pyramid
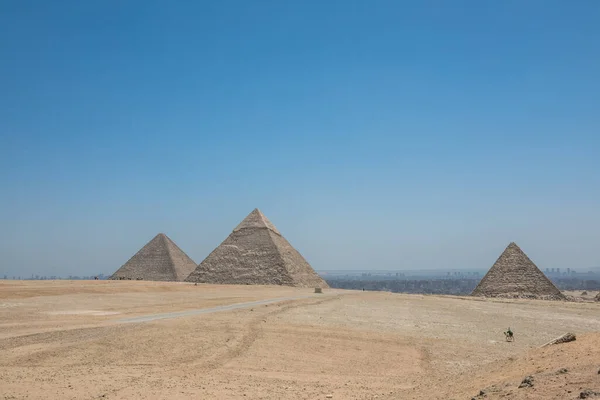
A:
(514, 274)
(256, 253)
(159, 260)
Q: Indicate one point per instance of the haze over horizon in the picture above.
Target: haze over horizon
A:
(383, 134)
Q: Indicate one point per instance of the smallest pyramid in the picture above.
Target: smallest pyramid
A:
(515, 275)
(159, 260)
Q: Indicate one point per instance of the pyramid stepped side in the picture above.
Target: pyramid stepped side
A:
(159, 260)
(183, 265)
(246, 257)
(255, 253)
(302, 274)
(152, 262)
(515, 273)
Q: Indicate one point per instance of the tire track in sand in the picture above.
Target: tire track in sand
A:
(253, 331)
(241, 347)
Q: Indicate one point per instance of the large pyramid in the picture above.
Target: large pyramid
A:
(515, 275)
(255, 253)
(159, 260)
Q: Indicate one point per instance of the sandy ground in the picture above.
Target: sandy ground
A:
(71, 340)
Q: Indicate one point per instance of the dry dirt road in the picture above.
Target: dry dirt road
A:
(102, 340)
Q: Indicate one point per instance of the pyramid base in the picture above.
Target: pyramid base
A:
(531, 296)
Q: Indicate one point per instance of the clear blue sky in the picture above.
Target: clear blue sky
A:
(374, 134)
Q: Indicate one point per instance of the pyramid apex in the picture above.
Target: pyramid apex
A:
(256, 219)
(513, 246)
(162, 237)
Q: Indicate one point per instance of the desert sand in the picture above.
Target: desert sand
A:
(83, 340)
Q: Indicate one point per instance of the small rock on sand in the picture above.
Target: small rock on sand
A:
(586, 394)
(526, 382)
(566, 338)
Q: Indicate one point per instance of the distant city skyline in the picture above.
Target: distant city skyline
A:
(391, 273)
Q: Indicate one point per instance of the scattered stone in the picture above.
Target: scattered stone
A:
(329, 396)
(575, 299)
(586, 394)
(584, 293)
(483, 393)
(533, 296)
(597, 298)
(567, 337)
(563, 371)
(526, 382)
(318, 290)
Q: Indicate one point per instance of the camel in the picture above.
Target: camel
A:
(509, 335)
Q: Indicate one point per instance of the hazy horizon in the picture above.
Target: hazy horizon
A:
(381, 133)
